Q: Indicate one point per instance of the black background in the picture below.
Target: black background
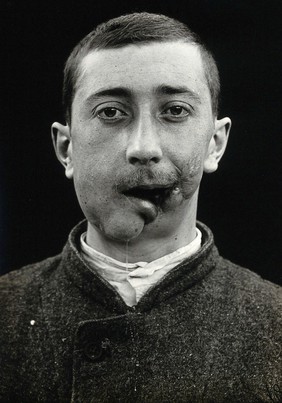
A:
(241, 202)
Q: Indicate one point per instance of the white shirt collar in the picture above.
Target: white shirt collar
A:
(132, 280)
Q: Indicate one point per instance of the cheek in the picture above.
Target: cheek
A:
(97, 150)
(94, 197)
(94, 158)
(91, 174)
(191, 173)
(95, 162)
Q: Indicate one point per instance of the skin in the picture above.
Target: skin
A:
(160, 125)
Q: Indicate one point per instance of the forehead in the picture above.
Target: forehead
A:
(141, 68)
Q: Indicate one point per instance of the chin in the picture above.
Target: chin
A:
(122, 229)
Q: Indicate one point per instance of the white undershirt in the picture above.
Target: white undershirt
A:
(132, 280)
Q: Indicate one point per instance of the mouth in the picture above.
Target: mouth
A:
(156, 194)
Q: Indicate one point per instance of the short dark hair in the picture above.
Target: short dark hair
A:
(133, 29)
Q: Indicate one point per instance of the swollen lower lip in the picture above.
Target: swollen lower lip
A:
(146, 208)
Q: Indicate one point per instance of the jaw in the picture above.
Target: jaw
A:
(167, 232)
(123, 216)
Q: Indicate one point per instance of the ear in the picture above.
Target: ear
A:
(63, 146)
(217, 144)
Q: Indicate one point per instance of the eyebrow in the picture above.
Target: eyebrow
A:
(170, 90)
(120, 92)
(123, 92)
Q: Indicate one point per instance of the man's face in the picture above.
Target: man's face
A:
(141, 126)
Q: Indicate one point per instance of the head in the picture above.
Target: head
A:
(141, 100)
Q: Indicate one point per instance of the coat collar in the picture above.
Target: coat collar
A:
(184, 276)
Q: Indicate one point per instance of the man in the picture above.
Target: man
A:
(140, 306)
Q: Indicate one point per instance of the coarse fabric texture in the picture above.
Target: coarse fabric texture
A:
(209, 331)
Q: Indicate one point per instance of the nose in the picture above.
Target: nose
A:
(144, 146)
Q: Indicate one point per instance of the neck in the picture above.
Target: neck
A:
(157, 239)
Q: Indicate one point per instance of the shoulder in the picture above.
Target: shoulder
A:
(24, 284)
(254, 303)
(30, 273)
(238, 284)
(246, 283)
(20, 290)
(21, 301)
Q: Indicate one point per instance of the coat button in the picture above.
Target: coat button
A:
(97, 351)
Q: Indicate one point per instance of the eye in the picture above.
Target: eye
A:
(110, 113)
(176, 112)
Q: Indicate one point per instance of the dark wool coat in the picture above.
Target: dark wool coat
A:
(207, 332)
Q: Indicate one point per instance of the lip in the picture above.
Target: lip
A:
(148, 186)
(157, 194)
(154, 186)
